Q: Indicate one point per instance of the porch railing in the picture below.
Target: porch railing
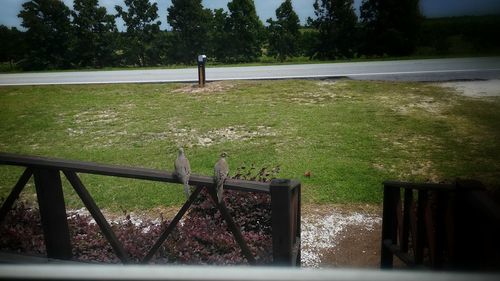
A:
(285, 205)
(440, 226)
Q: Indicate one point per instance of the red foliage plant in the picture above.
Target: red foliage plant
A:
(202, 237)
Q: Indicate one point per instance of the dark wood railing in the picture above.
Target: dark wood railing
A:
(440, 226)
(285, 205)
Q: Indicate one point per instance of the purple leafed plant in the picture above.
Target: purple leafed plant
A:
(202, 237)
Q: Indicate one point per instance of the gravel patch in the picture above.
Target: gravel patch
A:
(322, 230)
(476, 89)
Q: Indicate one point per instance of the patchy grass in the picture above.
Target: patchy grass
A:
(350, 135)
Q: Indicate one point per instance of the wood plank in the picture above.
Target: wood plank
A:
(14, 194)
(408, 198)
(94, 210)
(124, 172)
(298, 219)
(421, 227)
(395, 250)
(281, 219)
(235, 230)
(389, 226)
(165, 233)
(53, 213)
(419, 186)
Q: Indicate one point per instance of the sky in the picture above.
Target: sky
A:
(266, 8)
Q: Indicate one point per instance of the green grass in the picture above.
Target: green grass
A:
(351, 135)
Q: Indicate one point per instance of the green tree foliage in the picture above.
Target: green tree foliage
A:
(219, 36)
(390, 26)
(468, 35)
(12, 47)
(336, 23)
(94, 33)
(283, 33)
(48, 34)
(245, 32)
(309, 41)
(142, 28)
(190, 24)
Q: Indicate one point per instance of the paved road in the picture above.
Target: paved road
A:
(404, 70)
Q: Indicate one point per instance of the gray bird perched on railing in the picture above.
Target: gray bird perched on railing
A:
(221, 172)
(183, 170)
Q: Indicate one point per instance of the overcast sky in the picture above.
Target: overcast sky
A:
(266, 8)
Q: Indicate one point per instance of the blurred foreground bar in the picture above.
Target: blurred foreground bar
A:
(185, 273)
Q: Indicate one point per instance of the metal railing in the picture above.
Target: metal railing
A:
(440, 226)
(285, 205)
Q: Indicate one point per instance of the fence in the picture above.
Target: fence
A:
(440, 226)
(285, 205)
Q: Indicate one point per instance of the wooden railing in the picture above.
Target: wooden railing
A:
(440, 226)
(285, 205)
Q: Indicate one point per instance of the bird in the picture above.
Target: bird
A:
(221, 172)
(183, 170)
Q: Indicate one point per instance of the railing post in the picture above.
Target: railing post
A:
(282, 220)
(389, 228)
(53, 213)
(298, 233)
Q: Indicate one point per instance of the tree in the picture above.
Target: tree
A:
(142, 28)
(12, 47)
(336, 23)
(284, 34)
(390, 26)
(245, 31)
(94, 34)
(48, 34)
(219, 35)
(190, 29)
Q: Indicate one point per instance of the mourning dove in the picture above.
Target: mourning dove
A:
(221, 171)
(183, 170)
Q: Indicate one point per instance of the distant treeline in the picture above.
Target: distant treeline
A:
(460, 36)
(86, 36)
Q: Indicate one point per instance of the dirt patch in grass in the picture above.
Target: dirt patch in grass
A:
(426, 104)
(192, 137)
(356, 246)
(234, 133)
(341, 236)
(209, 88)
(475, 89)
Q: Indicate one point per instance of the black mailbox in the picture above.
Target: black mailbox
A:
(202, 59)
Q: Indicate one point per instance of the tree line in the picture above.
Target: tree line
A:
(86, 36)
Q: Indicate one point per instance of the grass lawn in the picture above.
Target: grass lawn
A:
(351, 135)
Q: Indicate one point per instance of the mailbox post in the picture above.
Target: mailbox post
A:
(202, 59)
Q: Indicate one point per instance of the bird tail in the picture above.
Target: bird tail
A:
(187, 190)
(220, 189)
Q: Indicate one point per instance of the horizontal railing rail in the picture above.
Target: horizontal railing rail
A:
(125, 172)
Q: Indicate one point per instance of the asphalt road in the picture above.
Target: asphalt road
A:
(402, 70)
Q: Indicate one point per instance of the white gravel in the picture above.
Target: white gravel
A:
(476, 89)
(321, 233)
